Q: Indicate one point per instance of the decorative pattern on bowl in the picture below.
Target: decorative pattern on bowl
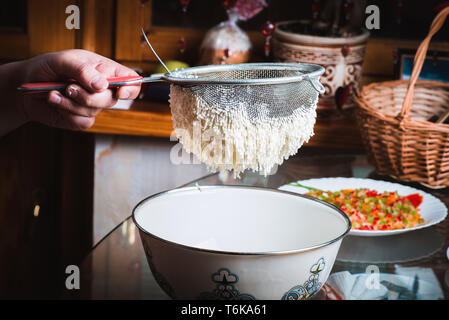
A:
(225, 287)
(308, 288)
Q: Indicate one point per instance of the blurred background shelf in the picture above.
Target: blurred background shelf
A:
(142, 119)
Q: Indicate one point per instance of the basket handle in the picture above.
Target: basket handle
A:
(418, 62)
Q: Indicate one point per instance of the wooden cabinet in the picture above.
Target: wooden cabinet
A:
(45, 209)
(28, 212)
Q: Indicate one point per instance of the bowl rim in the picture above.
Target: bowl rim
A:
(268, 253)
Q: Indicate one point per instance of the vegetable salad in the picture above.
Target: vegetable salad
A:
(370, 210)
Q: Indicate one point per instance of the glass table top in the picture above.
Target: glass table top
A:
(412, 265)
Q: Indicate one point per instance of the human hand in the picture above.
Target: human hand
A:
(76, 108)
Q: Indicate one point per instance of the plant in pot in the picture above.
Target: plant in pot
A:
(333, 38)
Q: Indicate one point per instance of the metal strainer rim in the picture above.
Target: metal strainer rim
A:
(308, 71)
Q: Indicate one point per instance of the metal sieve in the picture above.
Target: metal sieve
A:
(271, 90)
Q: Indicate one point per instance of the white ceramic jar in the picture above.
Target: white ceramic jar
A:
(342, 58)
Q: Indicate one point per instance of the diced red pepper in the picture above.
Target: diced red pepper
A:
(371, 193)
(415, 199)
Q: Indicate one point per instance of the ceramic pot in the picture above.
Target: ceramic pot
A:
(341, 57)
(239, 243)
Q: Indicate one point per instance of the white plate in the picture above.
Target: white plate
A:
(432, 210)
(408, 246)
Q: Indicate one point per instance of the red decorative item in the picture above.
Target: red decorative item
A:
(246, 9)
(268, 28)
(267, 31)
(267, 48)
(395, 56)
(345, 50)
(182, 44)
(229, 3)
(316, 7)
(184, 5)
(341, 96)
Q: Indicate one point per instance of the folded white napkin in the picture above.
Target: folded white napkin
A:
(407, 283)
(429, 286)
(356, 287)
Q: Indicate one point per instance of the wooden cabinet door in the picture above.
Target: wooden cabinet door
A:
(46, 206)
(28, 213)
(27, 32)
(32, 27)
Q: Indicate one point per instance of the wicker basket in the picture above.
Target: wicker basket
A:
(392, 118)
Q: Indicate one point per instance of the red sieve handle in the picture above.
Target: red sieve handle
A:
(38, 87)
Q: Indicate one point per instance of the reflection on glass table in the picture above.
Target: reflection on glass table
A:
(411, 265)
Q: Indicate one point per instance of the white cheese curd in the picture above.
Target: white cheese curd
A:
(228, 140)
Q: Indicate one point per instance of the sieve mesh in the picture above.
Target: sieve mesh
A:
(260, 102)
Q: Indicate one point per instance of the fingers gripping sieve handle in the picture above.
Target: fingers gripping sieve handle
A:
(40, 87)
(30, 88)
(316, 84)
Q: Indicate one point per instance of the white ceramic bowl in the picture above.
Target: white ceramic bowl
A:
(236, 242)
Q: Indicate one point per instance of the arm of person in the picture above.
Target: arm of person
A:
(74, 109)
(10, 117)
